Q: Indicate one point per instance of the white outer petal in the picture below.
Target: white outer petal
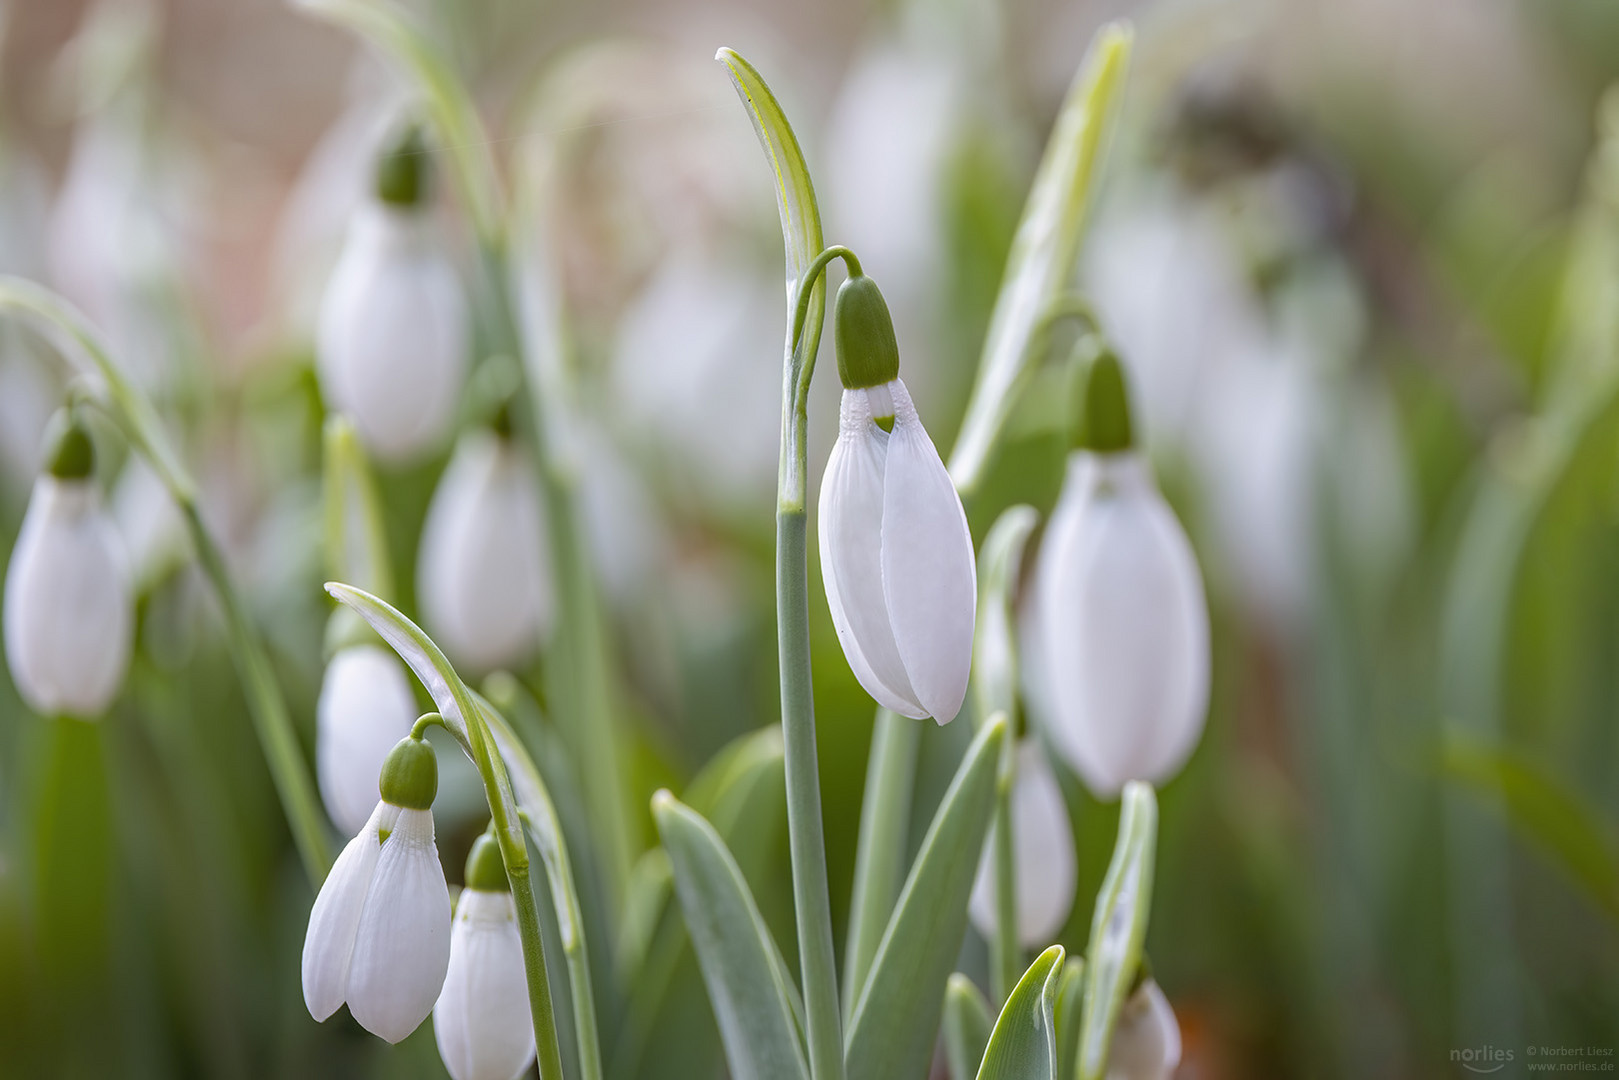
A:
(1147, 1041)
(394, 333)
(329, 940)
(402, 944)
(1125, 628)
(482, 572)
(930, 578)
(68, 615)
(365, 707)
(1042, 853)
(850, 526)
(482, 1020)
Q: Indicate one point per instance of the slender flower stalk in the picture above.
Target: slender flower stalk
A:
(135, 417)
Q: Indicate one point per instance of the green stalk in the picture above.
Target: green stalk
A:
(885, 814)
(1006, 955)
(134, 415)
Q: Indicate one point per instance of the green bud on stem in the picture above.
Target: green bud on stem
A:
(1102, 410)
(868, 355)
(410, 774)
(404, 172)
(69, 453)
(486, 870)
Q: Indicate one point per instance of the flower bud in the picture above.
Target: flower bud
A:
(365, 707)
(1102, 417)
(482, 1021)
(68, 612)
(481, 572)
(410, 774)
(1042, 855)
(896, 557)
(394, 329)
(1147, 1040)
(868, 355)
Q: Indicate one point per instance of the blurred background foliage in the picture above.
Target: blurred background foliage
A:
(1362, 259)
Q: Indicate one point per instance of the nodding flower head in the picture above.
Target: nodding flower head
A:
(896, 556)
(379, 933)
(69, 608)
(1147, 1041)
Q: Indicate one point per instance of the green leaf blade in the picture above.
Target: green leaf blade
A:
(897, 1017)
(1118, 928)
(1023, 1045)
(967, 1027)
(747, 980)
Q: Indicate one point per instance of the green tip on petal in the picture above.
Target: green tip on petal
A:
(1102, 417)
(404, 171)
(868, 355)
(410, 775)
(69, 453)
(486, 870)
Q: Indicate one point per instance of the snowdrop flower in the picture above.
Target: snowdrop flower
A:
(1147, 1040)
(379, 933)
(482, 1020)
(365, 708)
(481, 575)
(394, 329)
(1042, 853)
(896, 555)
(1120, 632)
(69, 614)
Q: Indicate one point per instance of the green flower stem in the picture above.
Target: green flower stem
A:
(885, 815)
(134, 415)
(1006, 954)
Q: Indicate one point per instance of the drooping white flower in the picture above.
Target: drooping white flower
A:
(896, 555)
(69, 615)
(1118, 656)
(1042, 855)
(482, 1021)
(365, 708)
(482, 572)
(379, 932)
(394, 330)
(1147, 1041)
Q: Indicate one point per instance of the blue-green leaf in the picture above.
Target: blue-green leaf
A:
(897, 1016)
(747, 980)
(967, 1024)
(1044, 249)
(1024, 1043)
(1070, 1005)
(1119, 927)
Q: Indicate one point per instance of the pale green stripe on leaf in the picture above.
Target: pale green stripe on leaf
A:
(1024, 1045)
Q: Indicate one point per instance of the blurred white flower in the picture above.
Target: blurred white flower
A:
(1042, 855)
(1147, 1041)
(365, 708)
(69, 613)
(482, 1021)
(482, 574)
(394, 332)
(1118, 643)
(896, 558)
(379, 932)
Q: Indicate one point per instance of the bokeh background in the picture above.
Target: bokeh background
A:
(1361, 258)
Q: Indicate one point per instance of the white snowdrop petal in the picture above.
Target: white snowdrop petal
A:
(1042, 853)
(329, 940)
(1126, 630)
(68, 614)
(482, 1020)
(929, 574)
(1147, 1041)
(365, 707)
(482, 569)
(393, 333)
(402, 943)
(851, 517)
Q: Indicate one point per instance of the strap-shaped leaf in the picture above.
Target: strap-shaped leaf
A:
(1119, 927)
(1070, 1006)
(747, 980)
(1044, 249)
(967, 1024)
(897, 1017)
(995, 660)
(801, 238)
(1024, 1043)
